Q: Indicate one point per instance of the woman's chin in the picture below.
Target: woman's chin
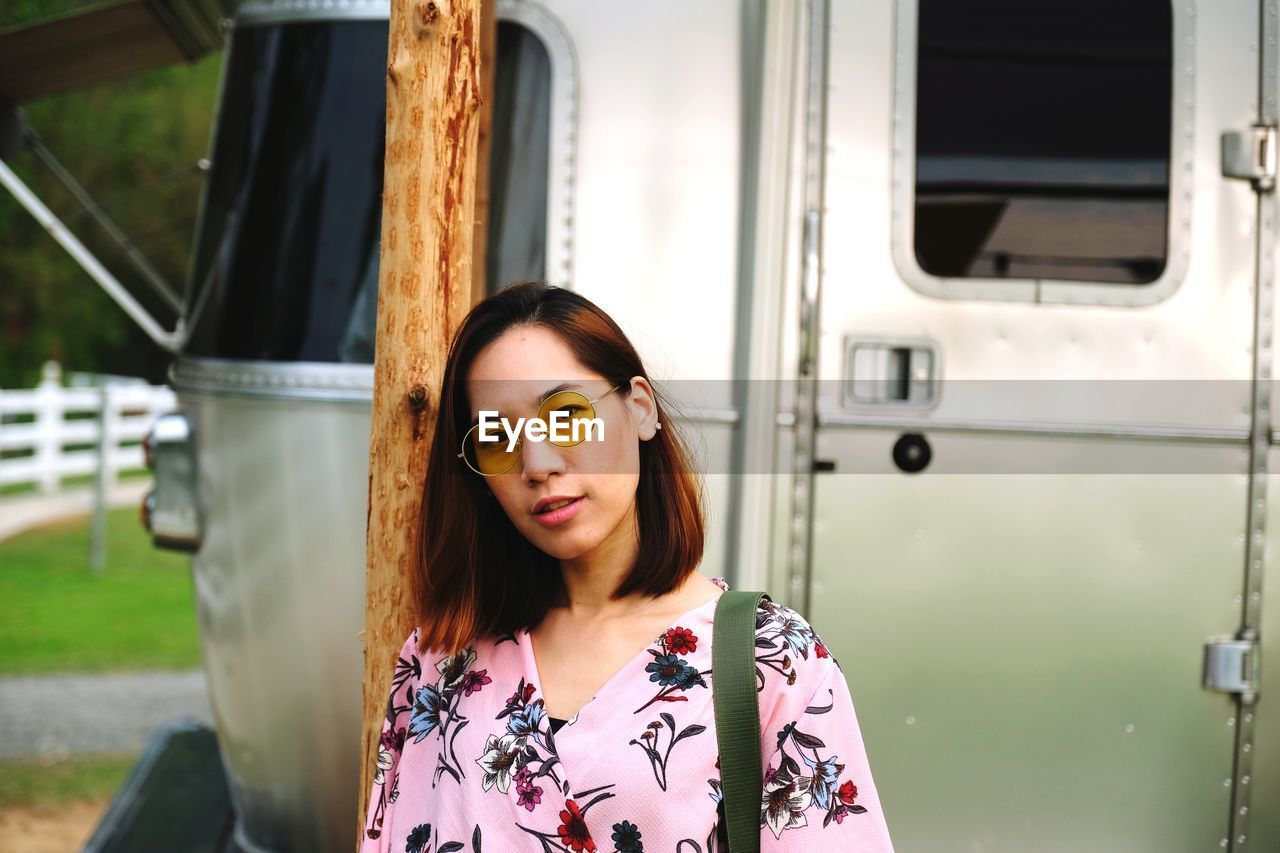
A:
(565, 550)
(562, 547)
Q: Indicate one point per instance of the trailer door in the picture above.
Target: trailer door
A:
(1034, 409)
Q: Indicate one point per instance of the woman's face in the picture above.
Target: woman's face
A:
(599, 477)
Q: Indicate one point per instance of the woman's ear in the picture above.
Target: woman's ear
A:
(643, 405)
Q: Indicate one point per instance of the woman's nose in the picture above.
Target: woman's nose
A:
(540, 459)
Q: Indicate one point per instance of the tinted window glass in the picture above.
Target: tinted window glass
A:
(286, 263)
(1042, 139)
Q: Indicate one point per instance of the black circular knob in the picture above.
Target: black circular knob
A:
(912, 453)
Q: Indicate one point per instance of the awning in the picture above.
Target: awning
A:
(118, 39)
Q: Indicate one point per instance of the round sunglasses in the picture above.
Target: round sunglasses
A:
(491, 458)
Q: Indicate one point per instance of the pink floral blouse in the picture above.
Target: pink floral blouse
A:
(468, 760)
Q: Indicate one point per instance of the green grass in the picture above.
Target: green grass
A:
(32, 781)
(56, 615)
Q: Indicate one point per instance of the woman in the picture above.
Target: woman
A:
(556, 695)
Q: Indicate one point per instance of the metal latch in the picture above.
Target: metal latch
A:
(1231, 666)
(1250, 155)
(881, 371)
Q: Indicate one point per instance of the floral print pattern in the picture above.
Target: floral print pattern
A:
(652, 735)
(467, 758)
(670, 669)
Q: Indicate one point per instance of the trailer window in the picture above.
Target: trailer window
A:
(286, 257)
(519, 157)
(1042, 139)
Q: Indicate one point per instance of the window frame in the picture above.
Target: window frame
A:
(562, 148)
(1043, 290)
(562, 142)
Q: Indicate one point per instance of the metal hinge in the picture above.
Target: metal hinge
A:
(1250, 155)
(1231, 666)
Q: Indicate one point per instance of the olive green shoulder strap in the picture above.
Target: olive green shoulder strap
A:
(733, 686)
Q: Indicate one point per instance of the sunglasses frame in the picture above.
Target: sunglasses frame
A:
(515, 454)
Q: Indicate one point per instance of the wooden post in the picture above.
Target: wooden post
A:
(436, 105)
(48, 428)
(488, 50)
(103, 477)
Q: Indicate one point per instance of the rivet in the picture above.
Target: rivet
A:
(1129, 728)
(911, 721)
(1231, 721)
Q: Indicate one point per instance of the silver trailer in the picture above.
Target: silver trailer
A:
(972, 302)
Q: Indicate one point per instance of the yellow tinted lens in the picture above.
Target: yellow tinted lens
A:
(489, 457)
(566, 414)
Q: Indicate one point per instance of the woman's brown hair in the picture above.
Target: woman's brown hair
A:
(476, 575)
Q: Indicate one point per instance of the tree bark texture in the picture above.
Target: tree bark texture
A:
(436, 106)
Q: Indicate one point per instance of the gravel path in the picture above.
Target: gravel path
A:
(74, 713)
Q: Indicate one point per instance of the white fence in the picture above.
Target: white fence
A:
(50, 432)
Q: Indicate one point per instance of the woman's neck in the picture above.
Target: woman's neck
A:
(590, 578)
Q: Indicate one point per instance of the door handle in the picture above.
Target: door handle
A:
(890, 372)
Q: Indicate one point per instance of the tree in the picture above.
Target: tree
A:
(134, 144)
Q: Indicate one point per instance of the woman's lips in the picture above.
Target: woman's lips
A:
(556, 517)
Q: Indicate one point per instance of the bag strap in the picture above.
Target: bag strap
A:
(737, 708)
